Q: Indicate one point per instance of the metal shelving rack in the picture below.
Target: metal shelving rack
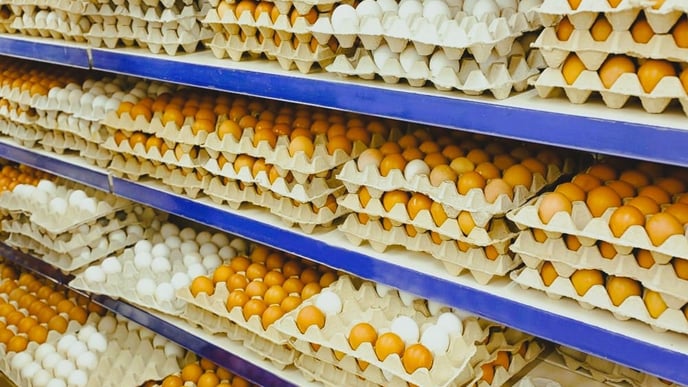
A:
(629, 132)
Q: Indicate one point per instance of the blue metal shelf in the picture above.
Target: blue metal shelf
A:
(45, 50)
(154, 322)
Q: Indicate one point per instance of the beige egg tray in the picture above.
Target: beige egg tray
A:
(516, 364)
(169, 132)
(589, 229)
(447, 193)
(96, 155)
(495, 231)
(123, 285)
(661, 277)
(620, 17)
(88, 130)
(500, 78)
(184, 16)
(315, 189)
(210, 322)
(16, 95)
(454, 260)
(61, 142)
(64, 29)
(302, 6)
(153, 154)
(606, 371)
(26, 135)
(481, 38)
(453, 366)
(18, 116)
(300, 58)
(181, 181)
(130, 167)
(597, 297)
(328, 374)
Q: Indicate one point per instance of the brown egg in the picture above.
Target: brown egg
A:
(600, 199)
(552, 203)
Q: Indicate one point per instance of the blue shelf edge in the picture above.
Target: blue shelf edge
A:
(603, 343)
(215, 353)
(55, 52)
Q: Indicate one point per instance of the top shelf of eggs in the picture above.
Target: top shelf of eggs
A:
(619, 49)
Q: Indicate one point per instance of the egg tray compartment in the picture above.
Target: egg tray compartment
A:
(593, 53)
(183, 15)
(182, 181)
(454, 260)
(316, 370)
(94, 154)
(129, 167)
(315, 190)
(491, 232)
(91, 131)
(620, 17)
(597, 297)
(482, 38)
(66, 30)
(606, 371)
(517, 363)
(153, 154)
(18, 115)
(588, 229)
(61, 142)
(25, 135)
(21, 97)
(447, 193)
(210, 322)
(551, 83)
(661, 277)
(169, 132)
(451, 367)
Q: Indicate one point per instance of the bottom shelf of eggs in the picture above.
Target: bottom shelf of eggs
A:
(247, 295)
(200, 373)
(150, 273)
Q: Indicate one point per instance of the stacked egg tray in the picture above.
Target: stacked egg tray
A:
(70, 226)
(606, 371)
(6, 19)
(593, 54)
(152, 271)
(286, 36)
(659, 275)
(49, 19)
(473, 49)
(224, 376)
(482, 247)
(326, 352)
(213, 311)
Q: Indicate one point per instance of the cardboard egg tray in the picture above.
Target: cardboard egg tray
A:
(302, 6)
(182, 180)
(606, 371)
(91, 131)
(300, 165)
(620, 17)
(183, 15)
(454, 260)
(153, 154)
(170, 132)
(328, 374)
(238, 48)
(499, 78)
(19, 115)
(447, 193)
(517, 363)
(365, 305)
(315, 190)
(96, 155)
(61, 142)
(497, 230)
(597, 297)
(209, 322)
(26, 135)
(589, 229)
(481, 38)
(660, 277)
(63, 28)
(130, 167)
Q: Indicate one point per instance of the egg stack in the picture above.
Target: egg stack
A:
(359, 331)
(57, 19)
(279, 30)
(445, 195)
(170, 26)
(248, 294)
(613, 238)
(472, 46)
(12, 175)
(49, 337)
(150, 273)
(202, 373)
(619, 49)
(70, 226)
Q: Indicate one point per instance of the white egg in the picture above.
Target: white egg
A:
(220, 239)
(410, 8)
(450, 323)
(99, 103)
(97, 342)
(173, 242)
(84, 253)
(211, 261)
(111, 265)
(203, 237)
(329, 303)
(88, 205)
(84, 229)
(85, 332)
(468, 6)
(87, 361)
(75, 350)
(435, 307)
(161, 265)
(406, 328)
(164, 292)
(118, 237)
(30, 370)
(56, 383)
(50, 360)
(369, 8)
(439, 61)
(187, 234)
(143, 260)
(344, 18)
(58, 206)
(112, 104)
(75, 96)
(382, 290)
(239, 244)
(484, 8)
(65, 343)
(77, 378)
(416, 168)
(180, 280)
(160, 250)
(142, 246)
(196, 270)
(409, 57)
(173, 350)
(41, 378)
(436, 339)
(382, 54)
(208, 248)
(227, 252)
(406, 297)
(94, 274)
(145, 287)
(21, 359)
(64, 368)
(435, 9)
(107, 324)
(76, 196)
(169, 229)
(188, 247)
(135, 230)
(43, 350)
